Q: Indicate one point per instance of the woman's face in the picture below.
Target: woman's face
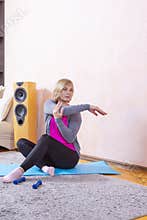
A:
(66, 93)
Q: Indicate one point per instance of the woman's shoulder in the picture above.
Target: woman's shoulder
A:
(50, 101)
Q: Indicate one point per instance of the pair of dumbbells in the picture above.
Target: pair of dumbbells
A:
(23, 179)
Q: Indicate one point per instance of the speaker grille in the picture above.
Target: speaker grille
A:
(20, 95)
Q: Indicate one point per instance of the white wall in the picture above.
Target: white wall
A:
(102, 47)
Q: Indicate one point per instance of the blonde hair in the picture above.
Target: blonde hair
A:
(59, 87)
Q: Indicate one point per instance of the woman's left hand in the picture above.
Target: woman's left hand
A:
(58, 111)
(95, 110)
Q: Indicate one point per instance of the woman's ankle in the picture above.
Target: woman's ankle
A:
(48, 169)
(45, 168)
(22, 169)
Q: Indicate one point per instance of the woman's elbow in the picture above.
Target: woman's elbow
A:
(70, 140)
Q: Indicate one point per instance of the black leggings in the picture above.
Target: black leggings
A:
(47, 151)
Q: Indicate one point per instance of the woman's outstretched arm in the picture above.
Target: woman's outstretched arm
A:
(69, 133)
(71, 109)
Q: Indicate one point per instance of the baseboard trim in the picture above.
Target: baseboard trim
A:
(92, 158)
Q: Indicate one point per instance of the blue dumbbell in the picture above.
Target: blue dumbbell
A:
(19, 180)
(37, 184)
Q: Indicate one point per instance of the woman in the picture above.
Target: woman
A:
(59, 147)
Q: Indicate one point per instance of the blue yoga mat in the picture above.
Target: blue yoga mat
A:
(99, 167)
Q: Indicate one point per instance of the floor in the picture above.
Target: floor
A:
(136, 175)
(132, 174)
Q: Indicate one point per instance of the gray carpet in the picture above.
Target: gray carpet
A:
(85, 197)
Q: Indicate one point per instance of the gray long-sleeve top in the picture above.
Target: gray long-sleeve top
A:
(74, 121)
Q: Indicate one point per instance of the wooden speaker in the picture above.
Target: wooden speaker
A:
(25, 111)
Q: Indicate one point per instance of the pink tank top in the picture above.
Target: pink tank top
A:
(55, 133)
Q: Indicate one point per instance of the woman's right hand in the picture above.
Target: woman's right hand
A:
(95, 110)
(58, 111)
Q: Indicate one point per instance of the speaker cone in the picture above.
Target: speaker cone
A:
(20, 95)
(20, 112)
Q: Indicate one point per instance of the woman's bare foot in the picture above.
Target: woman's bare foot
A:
(15, 174)
(49, 169)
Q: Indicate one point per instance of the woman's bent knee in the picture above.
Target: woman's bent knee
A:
(20, 142)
